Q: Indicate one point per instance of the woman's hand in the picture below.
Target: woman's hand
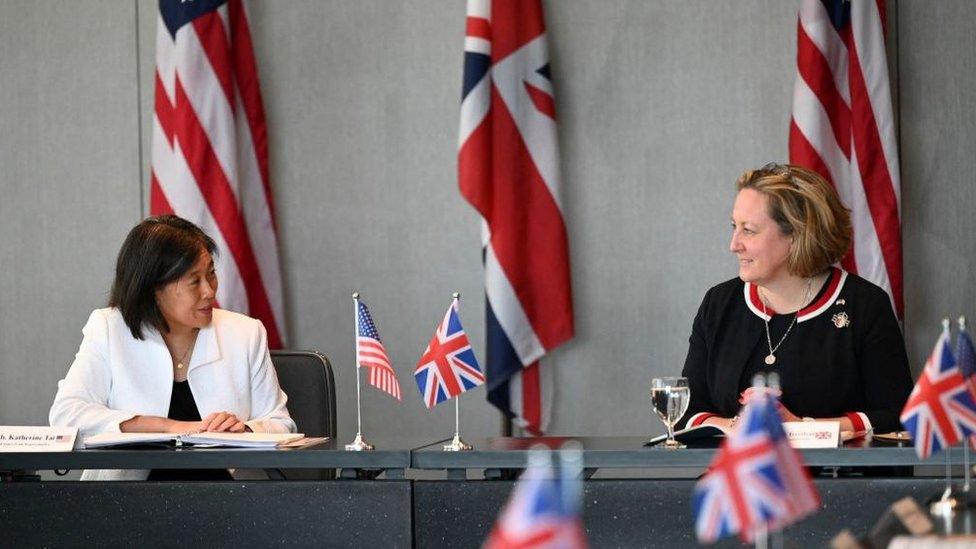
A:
(752, 392)
(784, 413)
(180, 427)
(221, 422)
(156, 424)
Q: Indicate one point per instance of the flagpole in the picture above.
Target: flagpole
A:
(770, 381)
(948, 468)
(456, 444)
(359, 444)
(761, 540)
(967, 472)
(571, 469)
(965, 444)
(945, 506)
(948, 450)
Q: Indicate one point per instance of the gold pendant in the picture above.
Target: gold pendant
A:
(770, 359)
(179, 365)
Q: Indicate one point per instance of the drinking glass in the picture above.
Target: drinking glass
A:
(669, 398)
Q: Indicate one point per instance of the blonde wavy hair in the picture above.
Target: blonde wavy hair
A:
(805, 206)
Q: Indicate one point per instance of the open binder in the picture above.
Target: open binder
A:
(698, 434)
(238, 440)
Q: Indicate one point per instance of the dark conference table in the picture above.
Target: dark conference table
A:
(438, 508)
(652, 507)
(247, 513)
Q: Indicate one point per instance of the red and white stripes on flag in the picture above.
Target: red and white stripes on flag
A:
(508, 168)
(843, 128)
(210, 150)
(371, 354)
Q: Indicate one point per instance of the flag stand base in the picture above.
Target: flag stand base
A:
(359, 445)
(457, 445)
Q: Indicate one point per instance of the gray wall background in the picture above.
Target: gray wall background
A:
(661, 106)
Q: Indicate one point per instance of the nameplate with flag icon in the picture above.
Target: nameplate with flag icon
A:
(37, 439)
(813, 434)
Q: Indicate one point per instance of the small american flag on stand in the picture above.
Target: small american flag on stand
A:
(966, 356)
(966, 359)
(371, 354)
(756, 480)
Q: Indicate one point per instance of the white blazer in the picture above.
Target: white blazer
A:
(116, 377)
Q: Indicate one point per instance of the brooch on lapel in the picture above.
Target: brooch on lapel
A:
(841, 320)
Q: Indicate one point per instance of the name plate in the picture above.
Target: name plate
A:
(813, 434)
(37, 439)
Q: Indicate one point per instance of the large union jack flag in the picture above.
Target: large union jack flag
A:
(448, 366)
(210, 150)
(508, 169)
(756, 479)
(940, 410)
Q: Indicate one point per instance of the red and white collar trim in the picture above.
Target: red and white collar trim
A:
(834, 285)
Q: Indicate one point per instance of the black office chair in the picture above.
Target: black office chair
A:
(306, 377)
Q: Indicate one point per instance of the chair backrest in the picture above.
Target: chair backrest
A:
(306, 377)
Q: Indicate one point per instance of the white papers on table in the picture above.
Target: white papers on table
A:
(239, 440)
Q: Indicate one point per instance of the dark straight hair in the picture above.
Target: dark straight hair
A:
(157, 251)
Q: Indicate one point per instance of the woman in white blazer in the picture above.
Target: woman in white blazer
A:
(161, 358)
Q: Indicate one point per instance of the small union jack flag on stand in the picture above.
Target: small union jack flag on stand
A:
(756, 480)
(940, 411)
(448, 366)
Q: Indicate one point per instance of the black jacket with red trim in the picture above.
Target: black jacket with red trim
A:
(845, 355)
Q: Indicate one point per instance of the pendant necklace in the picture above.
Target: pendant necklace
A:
(771, 357)
(179, 363)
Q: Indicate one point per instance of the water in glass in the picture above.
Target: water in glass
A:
(669, 398)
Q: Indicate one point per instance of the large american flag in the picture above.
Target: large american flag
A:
(756, 479)
(371, 354)
(448, 366)
(210, 150)
(508, 168)
(843, 128)
(940, 410)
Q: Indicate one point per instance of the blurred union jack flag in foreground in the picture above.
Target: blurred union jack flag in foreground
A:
(755, 480)
(508, 169)
(371, 354)
(543, 511)
(940, 410)
(448, 366)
